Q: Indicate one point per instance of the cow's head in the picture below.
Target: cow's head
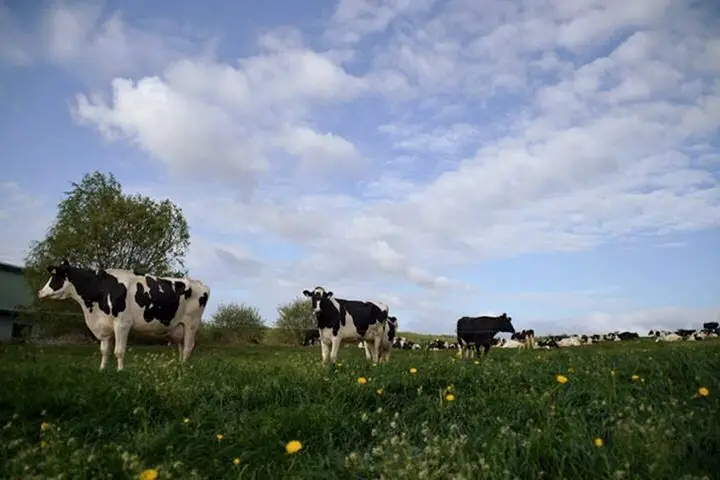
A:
(506, 323)
(317, 295)
(59, 286)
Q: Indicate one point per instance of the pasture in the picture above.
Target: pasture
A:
(627, 410)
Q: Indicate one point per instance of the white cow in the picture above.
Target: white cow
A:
(116, 301)
(505, 343)
(573, 341)
(668, 337)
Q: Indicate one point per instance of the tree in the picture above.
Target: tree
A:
(98, 226)
(295, 318)
(239, 323)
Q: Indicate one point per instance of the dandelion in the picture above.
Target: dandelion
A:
(149, 474)
(450, 397)
(413, 370)
(703, 392)
(44, 426)
(219, 436)
(476, 362)
(236, 461)
(186, 420)
(635, 378)
(598, 442)
(43, 444)
(612, 372)
(561, 379)
(362, 380)
(293, 446)
(379, 391)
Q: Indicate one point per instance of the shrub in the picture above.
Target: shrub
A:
(236, 323)
(295, 317)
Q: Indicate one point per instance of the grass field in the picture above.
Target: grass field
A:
(229, 413)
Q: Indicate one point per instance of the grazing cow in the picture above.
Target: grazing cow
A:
(628, 336)
(115, 301)
(481, 331)
(684, 333)
(339, 320)
(527, 337)
(312, 336)
(711, 326)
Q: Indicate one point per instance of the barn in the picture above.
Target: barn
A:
(15, 296)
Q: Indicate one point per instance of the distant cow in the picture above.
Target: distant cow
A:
(312, 336)
(115, 301)
(481, 331)
(526, 337)
(628, 336)
(339, 319)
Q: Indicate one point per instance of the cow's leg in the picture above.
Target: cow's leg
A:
(122, 330)
(325, 350)
(368, 355)
(335, 348)
(104, 350)
(176, 336)
(189, 334)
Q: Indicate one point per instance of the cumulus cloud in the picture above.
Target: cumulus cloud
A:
(485, 130)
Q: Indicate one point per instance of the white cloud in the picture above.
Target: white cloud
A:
(534, 127)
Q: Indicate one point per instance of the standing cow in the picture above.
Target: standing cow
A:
(481, 331)
(339, 319)
(387, 340)
(115, 301)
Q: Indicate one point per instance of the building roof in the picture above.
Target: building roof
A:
(11, 268)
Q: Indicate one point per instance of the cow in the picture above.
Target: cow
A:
(115, 301)
(339, 319)
(668, 337)
(625, 336)
(512, 343)
(312, 336)
(711, 326)
(387, 340)
(526, 337)
(481, 331)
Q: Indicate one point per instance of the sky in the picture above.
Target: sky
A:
(556, 160)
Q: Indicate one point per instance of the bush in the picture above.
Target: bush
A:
(236, 323)
(294, 319)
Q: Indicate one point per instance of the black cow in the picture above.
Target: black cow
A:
(339, 319)
(312, 336)
(481, 331)
(628, 336)
(115, 301)
(711, 326)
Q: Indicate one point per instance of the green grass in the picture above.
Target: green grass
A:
(510, 418)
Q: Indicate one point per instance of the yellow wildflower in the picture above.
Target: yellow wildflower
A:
(703, 392)
(635, 378)
(186, 420)
(413, 370)
(149, 474)
(612, 372)
(43, 444)
(362, 380)
(236, 461)
(450, 397)
(219, 436)
(561, 379)
(379, 391)
(476, 362)
(44, 426)
(293, 446)
(598, 442)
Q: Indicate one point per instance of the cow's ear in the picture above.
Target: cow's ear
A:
(307, 293)
(328, 294)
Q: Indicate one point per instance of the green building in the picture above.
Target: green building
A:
(15, 296)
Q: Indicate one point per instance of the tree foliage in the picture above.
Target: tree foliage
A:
(98, 226)
(238, 323)
(295, 317)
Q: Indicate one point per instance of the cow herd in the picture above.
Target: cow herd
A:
(115, 301)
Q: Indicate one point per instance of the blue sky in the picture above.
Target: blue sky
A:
(557, 161)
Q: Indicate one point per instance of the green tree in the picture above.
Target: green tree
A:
(238, 323)
(294, 318)
(97, 225)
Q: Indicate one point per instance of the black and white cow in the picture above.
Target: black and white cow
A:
(115, 301)
(339, 319)
(387, 340)
(526, 337)
(312, 336)
(481, 331)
